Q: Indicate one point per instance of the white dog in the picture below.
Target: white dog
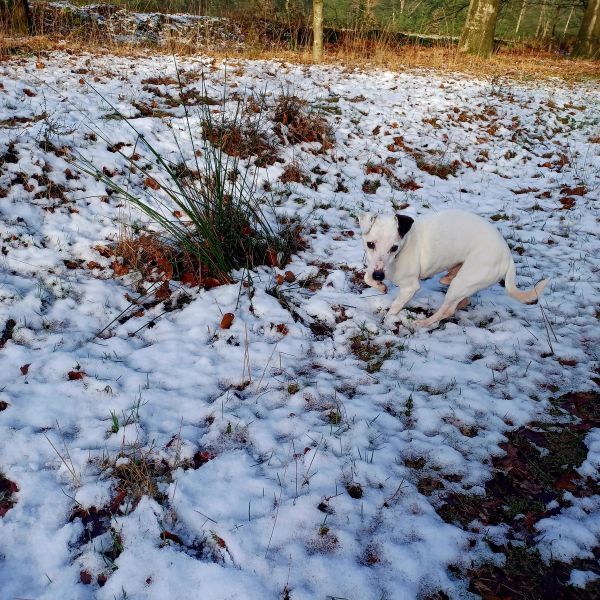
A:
(468, 247)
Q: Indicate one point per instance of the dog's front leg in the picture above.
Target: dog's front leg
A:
(378, 285)
(407, 291)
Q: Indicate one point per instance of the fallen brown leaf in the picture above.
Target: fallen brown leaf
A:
(163, 292)
(580, 190)
(271, 258)
(119, 268)
(227, 320)
(85, 577)
(151, 183)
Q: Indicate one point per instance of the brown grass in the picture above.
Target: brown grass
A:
(296, 123)
(154, 260)
(240, 140)
(293, 173)
(520, 63)
(140, 474)
(148, 255)
(517, 63)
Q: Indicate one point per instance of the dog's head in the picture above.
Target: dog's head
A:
(383, 238)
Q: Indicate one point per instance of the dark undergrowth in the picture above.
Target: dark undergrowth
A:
(538, 467)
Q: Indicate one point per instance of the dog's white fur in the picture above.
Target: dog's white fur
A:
(469, 247)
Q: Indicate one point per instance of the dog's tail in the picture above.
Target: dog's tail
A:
(527, 297)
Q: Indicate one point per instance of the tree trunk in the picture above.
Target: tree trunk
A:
(550, 24)
(555, 20)
(538, 29)
(478, 33)
(588, 38)
(17, 16)
(568, 21)
(317, 30)
(521, 15)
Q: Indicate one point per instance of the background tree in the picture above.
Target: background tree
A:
(521, 15)
(317, 30)
(478, 32)
(362, 12)
(15, 16)
(588, 38)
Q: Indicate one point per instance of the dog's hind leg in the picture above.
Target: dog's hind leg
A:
(463, 303)
(450, 275)
(465, 284)
(444, 312)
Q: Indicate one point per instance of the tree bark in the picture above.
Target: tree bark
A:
(478, 33)
(555, 21)
(317, 51)
(540, 22)
(521, 15)
(588, 38)
(550, 24)
(17, 16)
(568, 21)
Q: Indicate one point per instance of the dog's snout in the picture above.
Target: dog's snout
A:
(378, 275)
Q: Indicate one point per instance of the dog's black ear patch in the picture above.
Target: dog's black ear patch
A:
(404, 224)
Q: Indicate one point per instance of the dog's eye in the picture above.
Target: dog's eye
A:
(371, 245)
(394, 248)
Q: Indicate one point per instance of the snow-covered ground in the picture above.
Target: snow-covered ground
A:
(307, 480)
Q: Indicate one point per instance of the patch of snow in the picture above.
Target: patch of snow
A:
(581, 578)
(573, 533)
(270, 506)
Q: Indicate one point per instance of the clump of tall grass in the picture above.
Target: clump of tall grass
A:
(211, 209)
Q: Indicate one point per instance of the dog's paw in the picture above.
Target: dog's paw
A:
(397, 321)
(391, 322)
(425, 324)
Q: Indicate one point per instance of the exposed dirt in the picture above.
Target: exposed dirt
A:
(8, 489)
(537, 468)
